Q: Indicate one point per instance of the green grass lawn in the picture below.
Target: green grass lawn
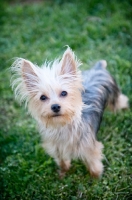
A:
(39, 31)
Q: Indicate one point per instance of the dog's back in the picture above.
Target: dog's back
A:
(100, 90)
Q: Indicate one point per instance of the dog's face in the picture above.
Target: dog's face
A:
(53, 93)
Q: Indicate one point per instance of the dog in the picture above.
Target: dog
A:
(68, 106)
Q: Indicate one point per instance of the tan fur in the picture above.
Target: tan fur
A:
(65, 136)
(64, 165)
(103, 63)
(62, 135)
(121, 103)
(93, 160)
(68, 63)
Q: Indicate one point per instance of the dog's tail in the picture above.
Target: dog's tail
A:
(101, 64)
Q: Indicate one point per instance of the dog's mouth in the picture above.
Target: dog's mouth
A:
(57, 115)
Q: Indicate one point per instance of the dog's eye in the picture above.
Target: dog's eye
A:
(63, 93)
(43, 97)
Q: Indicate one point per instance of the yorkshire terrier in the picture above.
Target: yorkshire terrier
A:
(68, 106)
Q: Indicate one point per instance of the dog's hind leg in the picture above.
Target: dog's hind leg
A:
(122, 102)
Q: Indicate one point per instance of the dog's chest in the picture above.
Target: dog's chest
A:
(64, 142)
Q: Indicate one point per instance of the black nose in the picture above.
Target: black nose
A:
(55, 108)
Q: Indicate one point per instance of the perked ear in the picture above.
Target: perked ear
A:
(29, 75)
(69, 63)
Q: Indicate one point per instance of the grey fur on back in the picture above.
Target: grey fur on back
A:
(100, 89)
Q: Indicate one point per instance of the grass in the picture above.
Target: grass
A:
(38, 31)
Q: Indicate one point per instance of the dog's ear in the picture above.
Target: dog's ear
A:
(29, 74)
(68, 63)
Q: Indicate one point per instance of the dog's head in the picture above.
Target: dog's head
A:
(52, 92)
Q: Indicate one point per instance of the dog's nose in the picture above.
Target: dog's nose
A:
(55, 108)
